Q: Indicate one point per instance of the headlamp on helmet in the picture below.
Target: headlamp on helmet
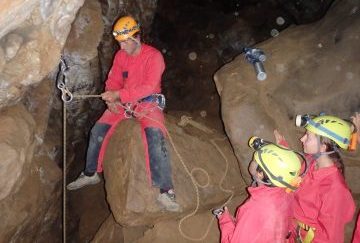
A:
(342, 132)
(281, 165)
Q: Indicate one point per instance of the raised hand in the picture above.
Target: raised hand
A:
(278, 136)
(356, 120)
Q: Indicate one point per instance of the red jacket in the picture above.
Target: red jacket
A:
(323, 201)
(134, 77)
(264, 217)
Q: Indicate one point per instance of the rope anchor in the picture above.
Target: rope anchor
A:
(66, 95)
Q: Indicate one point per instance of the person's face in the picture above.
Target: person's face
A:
(310, 143)
(129, 46)
(256, 176)
(252, 168)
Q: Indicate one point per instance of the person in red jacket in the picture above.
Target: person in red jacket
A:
(266, 215)
(133, 90)
(323, 203)
(356, 121)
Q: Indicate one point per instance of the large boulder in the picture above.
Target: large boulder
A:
(131, 198)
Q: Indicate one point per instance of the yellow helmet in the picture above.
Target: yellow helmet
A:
(125, 27)
(281, 165)
(331, 127)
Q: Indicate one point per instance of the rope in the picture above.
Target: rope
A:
(64, 172)
(87, 96)
(67, 96)
(196, 185)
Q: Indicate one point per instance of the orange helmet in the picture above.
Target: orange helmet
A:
(125, 27)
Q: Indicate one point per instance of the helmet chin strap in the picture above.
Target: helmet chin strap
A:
(257, 181)
(319, 154)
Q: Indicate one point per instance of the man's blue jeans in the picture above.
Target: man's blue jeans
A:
(97, 135)
(159, 159)
(158, 154)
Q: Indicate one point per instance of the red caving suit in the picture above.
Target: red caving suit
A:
(323, 201)
(264, 217)
(356, 238)
(135, 77)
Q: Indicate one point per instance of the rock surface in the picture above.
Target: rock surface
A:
(33, 34)
(30, 203)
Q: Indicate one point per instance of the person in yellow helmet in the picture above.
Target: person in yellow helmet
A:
(265, 216)
(323, 203)
(134, 81)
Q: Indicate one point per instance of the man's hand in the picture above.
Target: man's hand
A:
(113, 107)
(110, 96)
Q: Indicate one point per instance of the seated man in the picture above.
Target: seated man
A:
(135, 82)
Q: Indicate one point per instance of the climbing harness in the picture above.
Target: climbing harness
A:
(159, 99)
(130, 108)
(130, 112)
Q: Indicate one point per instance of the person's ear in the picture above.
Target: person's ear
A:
(260, 175)
(323, 148)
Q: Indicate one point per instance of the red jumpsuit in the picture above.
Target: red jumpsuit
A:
(324, 202)
(356, 238)
(264, 217)
(135, 77)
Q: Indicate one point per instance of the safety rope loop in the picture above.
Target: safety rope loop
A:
(66, 95)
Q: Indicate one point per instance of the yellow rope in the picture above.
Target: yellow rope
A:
(190, 173)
